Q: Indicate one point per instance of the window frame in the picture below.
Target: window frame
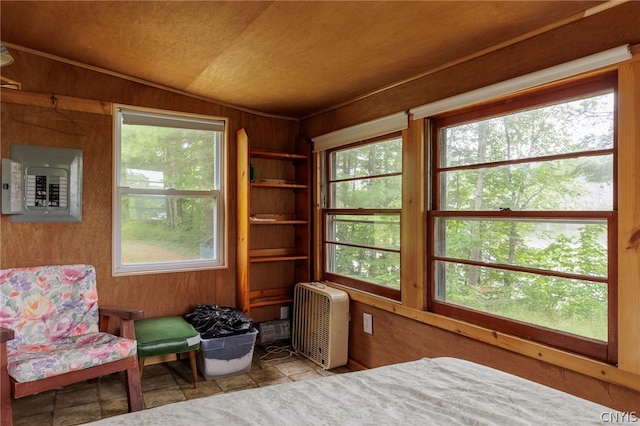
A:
(218, 194)
(328, 210)
(562, 91)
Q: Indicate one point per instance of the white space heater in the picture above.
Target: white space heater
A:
(321, 324)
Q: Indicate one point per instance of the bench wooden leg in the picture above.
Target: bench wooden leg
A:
(194, 371)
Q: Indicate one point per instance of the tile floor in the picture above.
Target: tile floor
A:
(161, 384)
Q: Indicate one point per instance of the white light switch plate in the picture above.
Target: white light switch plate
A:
(284, 312)
(367, 323)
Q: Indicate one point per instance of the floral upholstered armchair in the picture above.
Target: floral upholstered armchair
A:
(59, 333)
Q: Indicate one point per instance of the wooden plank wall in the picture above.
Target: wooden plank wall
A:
(30, 244)
(404, 331)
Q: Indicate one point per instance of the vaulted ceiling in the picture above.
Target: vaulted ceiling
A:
(289, 58)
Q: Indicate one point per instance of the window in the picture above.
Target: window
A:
(362, 218)
(523, 216)
(169, 207)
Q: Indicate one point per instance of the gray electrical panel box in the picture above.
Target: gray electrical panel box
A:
(42, 184)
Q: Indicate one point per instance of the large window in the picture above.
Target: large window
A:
(523, 216)
(169, 200)
(362, 218)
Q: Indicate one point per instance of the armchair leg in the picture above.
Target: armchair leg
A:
(134, 388)
(6, 414)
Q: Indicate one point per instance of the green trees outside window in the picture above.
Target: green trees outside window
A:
(170, 205)
(362, 240)
(523, 213)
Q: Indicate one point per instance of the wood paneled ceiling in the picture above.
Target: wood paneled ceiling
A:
(285, 58)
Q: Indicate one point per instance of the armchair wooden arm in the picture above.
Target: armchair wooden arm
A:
(124, 313)
(125, 316)
(5, 334)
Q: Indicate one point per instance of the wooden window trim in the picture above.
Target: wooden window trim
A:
(376, 289)
(606, 351)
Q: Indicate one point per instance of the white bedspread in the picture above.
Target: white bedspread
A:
(440, 391)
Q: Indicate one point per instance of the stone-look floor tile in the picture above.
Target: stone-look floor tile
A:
(185, 382)
(310, 363)
(156, 369)
(78, 387)
(159, 397)
(293, 367)
(235, 382)
(205, 388)
(43, 419)
(112, 378)
(249, 386)
(181, 372)
(74, 395)
(113, 407)
(112, 389)
(151, 383)
(265, 374)
(34, 404)
(77, 414)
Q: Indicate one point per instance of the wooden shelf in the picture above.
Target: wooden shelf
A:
(259, 259)
(270, 297)
(279, 222)
(276, 219)
(270, 302)
(288, 231)
(274, 183)
(275, 155)
(275, 255)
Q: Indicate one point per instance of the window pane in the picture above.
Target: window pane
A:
(522, 212)
(381, 231)
(367, 160)
(576, 126)
(380, 192)
(365, 245)
(168, 157)
(167, 229)
(584, 183)
(374, 266)
(573, 306)
(563, 246)
(170, 205)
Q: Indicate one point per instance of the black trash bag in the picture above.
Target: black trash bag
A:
(214, 321)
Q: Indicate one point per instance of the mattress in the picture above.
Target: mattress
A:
(439, 391)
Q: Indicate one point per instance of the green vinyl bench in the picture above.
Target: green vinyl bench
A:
(167, 336)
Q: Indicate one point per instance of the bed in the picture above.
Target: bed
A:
(438, 391)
